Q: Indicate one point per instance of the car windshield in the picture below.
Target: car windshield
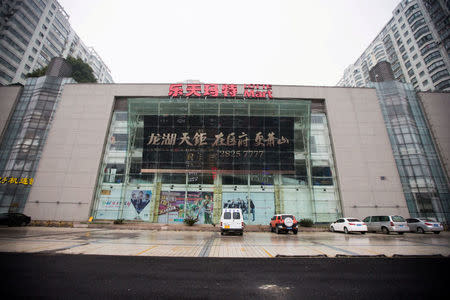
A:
(287, 216)
(227, 215)
(353, 220)
(398, 219)
(236, 215)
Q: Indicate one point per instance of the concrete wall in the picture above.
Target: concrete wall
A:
(361, 148)
(437, 110)
(71, 158)
(8, 97)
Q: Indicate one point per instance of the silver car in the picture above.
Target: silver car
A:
(386, 224)
(424, 225)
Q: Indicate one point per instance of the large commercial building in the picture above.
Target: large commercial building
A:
(32, 32)
(416, 41)
(161, 152)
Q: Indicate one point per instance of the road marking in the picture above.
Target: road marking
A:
(270, 255)
(147, 250)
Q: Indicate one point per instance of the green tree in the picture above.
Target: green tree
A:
(81, 71)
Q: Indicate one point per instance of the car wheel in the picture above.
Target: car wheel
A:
(401, 233)
(345, 230)
(436, 232)
(420, 230)
(385, 230)
(296, 231)
(332, 229)
(277, 231)
(363, 232)
(271, 229)
(23, 223)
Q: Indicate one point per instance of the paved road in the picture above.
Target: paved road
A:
(110, 277)
(212, 244)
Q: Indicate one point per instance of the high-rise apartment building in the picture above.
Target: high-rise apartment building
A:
(32, 32)
(416, 41)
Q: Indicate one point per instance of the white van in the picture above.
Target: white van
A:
(232, 221)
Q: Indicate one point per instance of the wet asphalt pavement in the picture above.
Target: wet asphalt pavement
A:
(52, 276)
(95, 241)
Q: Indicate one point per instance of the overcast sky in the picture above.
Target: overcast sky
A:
(300, 42)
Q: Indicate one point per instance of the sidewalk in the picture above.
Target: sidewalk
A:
(182, 227)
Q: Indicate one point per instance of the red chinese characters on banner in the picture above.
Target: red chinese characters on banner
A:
(194, 90)
(229, 90)
(176, 90)
(211, 90)
(251, 91)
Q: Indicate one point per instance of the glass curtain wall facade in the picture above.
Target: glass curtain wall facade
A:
(166, 159)
(424, 183)
(24, 139)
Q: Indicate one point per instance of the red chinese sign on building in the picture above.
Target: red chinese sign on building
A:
(251, 91)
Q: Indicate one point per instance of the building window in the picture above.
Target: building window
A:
(432, 56)
(421, 31)
(27, 67)
(30, 58)
(405, 56)
(418, 65)
(424, 40)
(436, 65)
(47, 20)
(425, 82)
(414, 17)
(428, 48)
(41, 34)
(411, 72)
(402, 49)
(396, 34)
(406, 33)
(403, 26)
(408, 41)
(415, 57)
(417, 24)
(34, 50)
(443, 85)
(439, 75)
(8, 65)
(421, 74)
(407, 64)
(412, 49)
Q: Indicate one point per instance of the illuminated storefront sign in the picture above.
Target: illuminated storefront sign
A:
(212, 144)
(251, 91)
(14, 180)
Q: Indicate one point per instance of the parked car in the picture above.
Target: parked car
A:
(14, 219)
(349, 225)
(232, 221)
(386, 224)
(424, 225)
(284, 222)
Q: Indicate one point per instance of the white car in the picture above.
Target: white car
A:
(232, 221)
(349, 225)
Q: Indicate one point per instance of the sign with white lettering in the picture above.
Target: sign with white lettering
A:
(215, 144)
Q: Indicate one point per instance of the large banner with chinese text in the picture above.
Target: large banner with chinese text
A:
(220, 144)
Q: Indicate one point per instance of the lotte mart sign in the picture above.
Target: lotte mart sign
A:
(251, 91)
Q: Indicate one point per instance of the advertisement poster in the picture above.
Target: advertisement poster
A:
(237, 200)
(109, 204)
(203, 143)
(137, 205)
(171, 207)
(200, 205)
(257, 208)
